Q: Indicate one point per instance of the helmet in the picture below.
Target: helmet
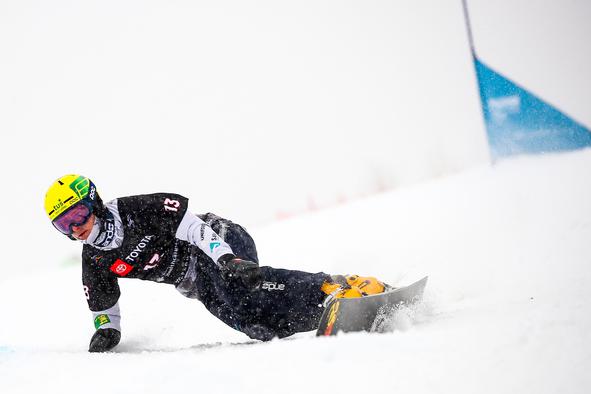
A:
(68, 192)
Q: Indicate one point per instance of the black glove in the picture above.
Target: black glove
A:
(234, 268)
(104, 340)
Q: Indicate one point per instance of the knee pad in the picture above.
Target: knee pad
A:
(258, 331)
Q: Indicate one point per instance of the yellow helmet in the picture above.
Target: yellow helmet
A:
(70, 201)
(67, 191)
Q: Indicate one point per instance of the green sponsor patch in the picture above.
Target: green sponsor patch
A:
(80, 186)
(101, 320)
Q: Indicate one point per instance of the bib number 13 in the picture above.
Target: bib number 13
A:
(171, 205)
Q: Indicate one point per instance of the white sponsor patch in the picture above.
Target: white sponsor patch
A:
(273, 286)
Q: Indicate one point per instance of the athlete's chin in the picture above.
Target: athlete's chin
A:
(83, 236)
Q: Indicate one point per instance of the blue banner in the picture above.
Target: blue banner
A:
(519, 122)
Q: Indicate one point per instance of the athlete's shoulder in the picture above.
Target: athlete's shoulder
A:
(152, 197)
(91, 255)
(168, 202)
(93, 262)
(88, 252)
(157, 210)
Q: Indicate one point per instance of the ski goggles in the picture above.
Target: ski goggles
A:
(75, 216)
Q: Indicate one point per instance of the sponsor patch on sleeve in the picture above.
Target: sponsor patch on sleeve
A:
(101, 320)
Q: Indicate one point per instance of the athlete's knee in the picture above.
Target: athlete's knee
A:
(260, 332)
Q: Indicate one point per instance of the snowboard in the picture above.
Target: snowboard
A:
(360, 314)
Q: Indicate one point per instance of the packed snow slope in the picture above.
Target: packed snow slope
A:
(507, 249)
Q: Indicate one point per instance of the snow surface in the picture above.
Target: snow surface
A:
(506, 311)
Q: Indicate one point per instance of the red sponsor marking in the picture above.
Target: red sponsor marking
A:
(121, 268)
(332, 318)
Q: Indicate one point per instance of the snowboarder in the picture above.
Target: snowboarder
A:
(154, 237)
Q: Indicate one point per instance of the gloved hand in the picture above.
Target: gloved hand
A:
(235, 268)
(104, 340)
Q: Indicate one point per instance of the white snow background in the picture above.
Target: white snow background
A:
(254, 108)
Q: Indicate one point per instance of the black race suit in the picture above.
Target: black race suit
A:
(154, 237)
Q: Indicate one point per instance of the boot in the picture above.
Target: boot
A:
(352, 286)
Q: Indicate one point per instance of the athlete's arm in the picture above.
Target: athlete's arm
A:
(195, 231)
(102, 294)
(198, 233)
